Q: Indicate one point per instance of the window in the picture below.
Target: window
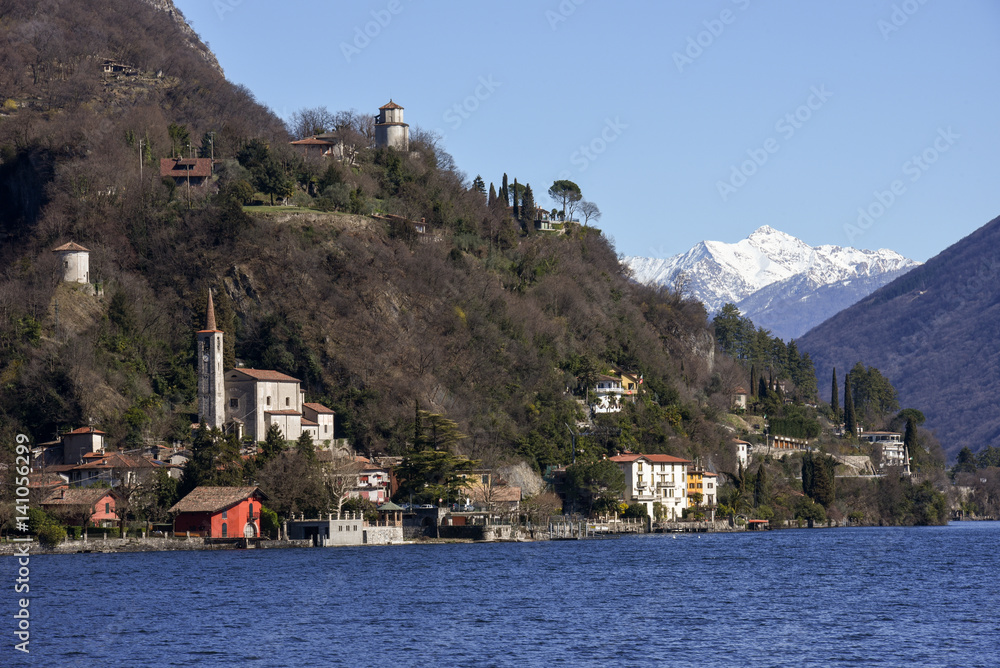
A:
(107, 508)
(234, 403)
(225, 514)
(326, 428)
(269, 401)
(288, 401)
(225, 530)
(340, 528)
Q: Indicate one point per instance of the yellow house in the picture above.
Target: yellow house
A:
(696, 484)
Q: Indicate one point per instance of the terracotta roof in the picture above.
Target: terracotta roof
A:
(117, 460)
(263, 374)
(603, 377)
(709, 474)
(312, 141)
(70, 247)
(184, 167)
(85, 430)
(656, 459)
(284, 411)
(741, 390)
(319, 408)
(78, 496)
(309, 423)
(214, 499)
(391, 105)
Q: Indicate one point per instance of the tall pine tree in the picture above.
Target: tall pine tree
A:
(517, 216)
(835, 398)
(753, 381)
(491, 201)
(850, 422)
(504, 192)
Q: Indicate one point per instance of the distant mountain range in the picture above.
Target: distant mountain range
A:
(780, 282)
(933, 333)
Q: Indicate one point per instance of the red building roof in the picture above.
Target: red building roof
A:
(84, 430)
(656, 459)
(391, 105)
(184, 167)
(213, 499)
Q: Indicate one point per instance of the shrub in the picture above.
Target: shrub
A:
(51, 535)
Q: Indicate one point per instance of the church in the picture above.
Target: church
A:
(249, 401)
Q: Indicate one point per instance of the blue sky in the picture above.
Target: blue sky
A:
(867, 124)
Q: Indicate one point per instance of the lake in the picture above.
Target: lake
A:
(923, 596)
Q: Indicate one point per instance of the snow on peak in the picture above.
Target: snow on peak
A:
(720, 272)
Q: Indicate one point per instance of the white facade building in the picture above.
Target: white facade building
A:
(651, 479)
(607, 395)
(75, 262)
(889, 446)
(251, 400)
(390, 130)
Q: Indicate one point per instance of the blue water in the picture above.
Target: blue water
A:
(841, 597)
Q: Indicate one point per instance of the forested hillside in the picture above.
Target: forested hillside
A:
(482, 320)
(932, 333)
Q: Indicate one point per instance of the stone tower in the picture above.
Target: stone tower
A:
(75, 261)
(390, 130)
(211, 381)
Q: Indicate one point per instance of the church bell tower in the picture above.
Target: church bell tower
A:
(211, 381)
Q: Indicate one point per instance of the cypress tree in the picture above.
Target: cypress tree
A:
(807, 473)
(528, 206)
(910, 437)
(850, 422)
(760, 487)
(762, 389)
(835, 398)
(753, 381)
(504, 192)
(491, 201)
(516, 214)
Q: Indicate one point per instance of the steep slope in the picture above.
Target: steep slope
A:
(933, 333)
(777, 280)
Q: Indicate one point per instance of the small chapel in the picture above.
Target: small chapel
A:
(249, 401)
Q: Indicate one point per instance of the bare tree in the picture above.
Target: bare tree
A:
(340, 476)
(310, 121)
(589, 211)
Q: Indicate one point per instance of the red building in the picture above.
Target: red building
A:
(90, 504)
(220, 512)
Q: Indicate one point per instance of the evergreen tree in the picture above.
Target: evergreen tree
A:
(835, 398)
(304, 446)
(504, 192)
(753, 381)
(274, 445)
(910, 436)
(418, 427)
(850, 421)
(517, 216)
(762, 392)
(479, 185)
(491, 201)
(760, 487)
(528, 206)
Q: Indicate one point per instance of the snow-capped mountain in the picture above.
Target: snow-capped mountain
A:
(781, 283)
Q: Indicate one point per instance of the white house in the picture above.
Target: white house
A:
(890, 448)
(742, 452)
(653, 479)
(607, 395)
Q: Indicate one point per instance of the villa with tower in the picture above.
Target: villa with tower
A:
(249, 401)
(390, 131)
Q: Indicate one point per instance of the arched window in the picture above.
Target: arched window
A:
(225, 530)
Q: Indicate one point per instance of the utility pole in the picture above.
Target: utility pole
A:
(189, 178)
(140, 160)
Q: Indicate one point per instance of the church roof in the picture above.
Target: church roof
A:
(71, 246)
(319, 408)
(210, 325)
(391, 105)
(263, 374)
